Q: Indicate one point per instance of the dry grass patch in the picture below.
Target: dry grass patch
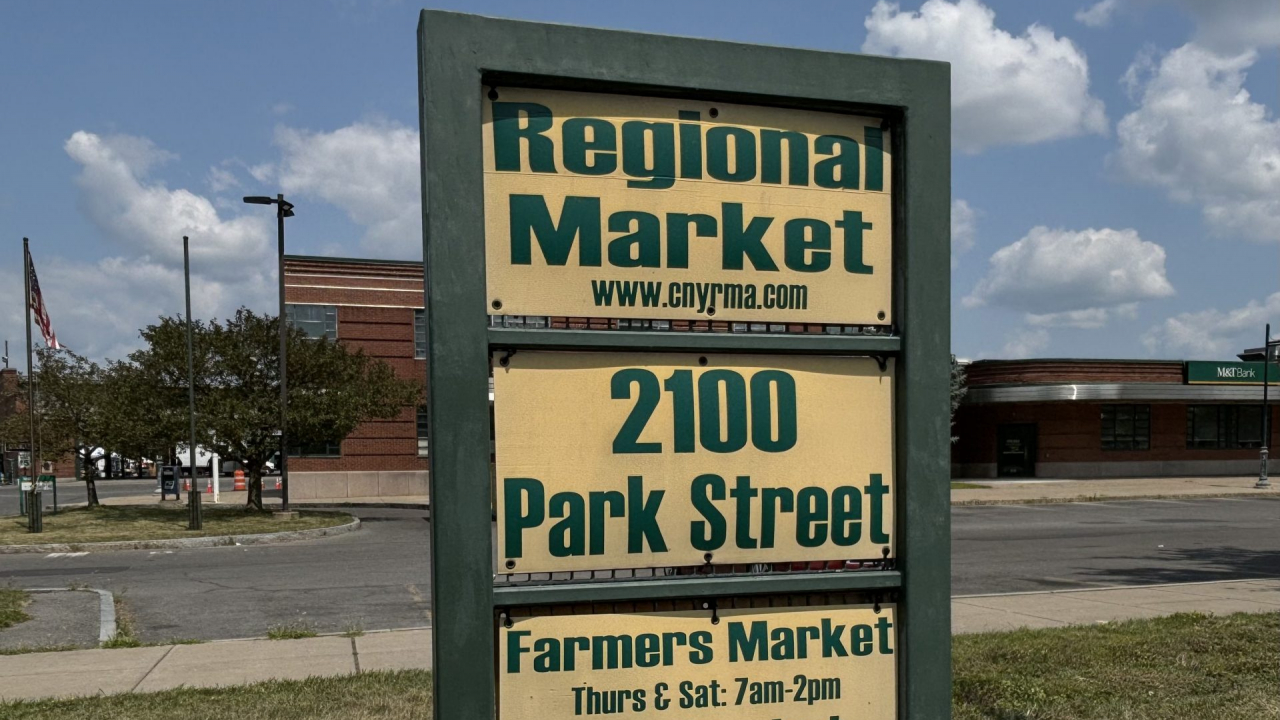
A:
(113, 523)
(12, 603)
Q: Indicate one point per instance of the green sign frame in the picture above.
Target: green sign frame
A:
(460, 55)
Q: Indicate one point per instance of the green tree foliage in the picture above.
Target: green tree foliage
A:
(958, 390)
(331, 389)
(72, 409)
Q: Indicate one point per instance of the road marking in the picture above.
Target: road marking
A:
(66, 555)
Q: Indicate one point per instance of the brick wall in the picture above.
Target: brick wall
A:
(376, 303)
(1072, 433)
(1022, 372)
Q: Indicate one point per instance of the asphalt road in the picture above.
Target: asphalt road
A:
(379, 577)
(1012, 548)
(375, 578)
(72, 492)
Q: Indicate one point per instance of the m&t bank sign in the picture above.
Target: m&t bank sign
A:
(1229, 373)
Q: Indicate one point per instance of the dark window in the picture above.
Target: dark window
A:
(1126, 427)
(317, 321)
(422, 430)
(1224, 426)
(321, 449)
(420, 336)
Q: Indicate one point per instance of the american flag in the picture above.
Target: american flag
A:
(38, 308)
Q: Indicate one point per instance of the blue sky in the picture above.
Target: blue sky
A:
(1116, 180)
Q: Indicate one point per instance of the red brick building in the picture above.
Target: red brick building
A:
(13, 402)
(1111, 418)
(375, 306)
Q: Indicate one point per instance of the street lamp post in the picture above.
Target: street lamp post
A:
(195, 518)
(284, 209)
(1263, 482)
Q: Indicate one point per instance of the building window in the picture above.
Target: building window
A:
(422, 431)
(317, 321)
(420, 335)
(1218, 427)
(1126, 427)
(321, 449)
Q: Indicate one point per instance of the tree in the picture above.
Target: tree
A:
(72, 410)
(958, 390)
(143, 420)
(331, 389)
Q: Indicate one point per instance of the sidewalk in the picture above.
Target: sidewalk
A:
(212, 664)
(1057, 608)
(234, 662)
(995, 492)
(1023, 491)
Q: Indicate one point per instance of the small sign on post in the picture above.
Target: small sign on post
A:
(169, 482)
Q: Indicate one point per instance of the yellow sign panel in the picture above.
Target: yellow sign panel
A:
(619, 206)
(816, 663)
(637, 460)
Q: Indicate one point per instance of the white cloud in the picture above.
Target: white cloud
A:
(1199, 135)
(1098, 14)
(964, 226)
(1025, 343)
(1087, 319)
(97, 307)
(368, 169)
(222, 180)
(1073, 278)
(1213, 334)
(262, 172)
(149, 219)
(1233, 25)
(1005, 89)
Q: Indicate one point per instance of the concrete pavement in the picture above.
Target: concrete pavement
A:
(994, 491)
(1044, 490)
(1059, 608)
(231, 662)
(237, 662)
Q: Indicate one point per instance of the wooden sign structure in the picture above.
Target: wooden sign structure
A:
(746, 429)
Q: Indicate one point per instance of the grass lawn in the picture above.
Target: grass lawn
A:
(370, 696)
(11, 604)
(120, 522)
(969, 486)
(1185, 667)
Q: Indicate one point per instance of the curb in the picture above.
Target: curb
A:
(1106, 588)
(1115, 498)
(368, 505)
(187, 543)
(106, 609)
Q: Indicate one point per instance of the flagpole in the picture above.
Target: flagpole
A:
(31, 387)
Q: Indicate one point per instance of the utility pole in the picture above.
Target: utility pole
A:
(195, 519)
(1263, 482)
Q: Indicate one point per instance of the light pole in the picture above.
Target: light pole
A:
(284, 209)
(195, 518)
(1264, 483)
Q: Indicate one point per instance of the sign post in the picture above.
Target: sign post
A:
(710, 283)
